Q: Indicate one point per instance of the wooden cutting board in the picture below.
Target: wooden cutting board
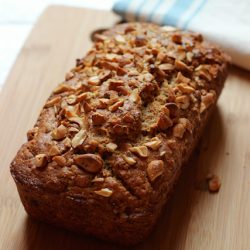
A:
(193, 218)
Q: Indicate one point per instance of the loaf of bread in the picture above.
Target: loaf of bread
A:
(110, 141)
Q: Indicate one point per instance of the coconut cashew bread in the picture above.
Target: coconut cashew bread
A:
(111, 140)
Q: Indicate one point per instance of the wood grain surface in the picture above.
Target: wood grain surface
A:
(193, 219)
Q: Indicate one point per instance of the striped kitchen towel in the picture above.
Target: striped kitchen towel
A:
(225, 22)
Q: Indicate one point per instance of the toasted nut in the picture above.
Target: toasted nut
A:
(133, 72)
(40, 160)
(60, 160)
(166, 66)
(122, 90)
(120, 129)
(185, 89)
(55, 110)
(134, 96)
(214, 183)
(106, 173)
(203, 72)
(98, 179)
(202, 107)
(115, 106)
(82, 97)
(88, 59)
(162, 153)
(94, 80)
(165, 110)
(140, 151)
(140, 41)
(173, 109)
(99, 37)
(180, 128)
(67, 142)
(198, 38)
(159, 74)
(94, 89)
(111, 146)
(77, 120)
(182, 54)
(74, 168)
(53, 101)
(154, 144)
(205, 75)
(129, 29)
(69, 112)
(155, 169)
(78, 68)
(87, 108)
(62, 88)
(177, 38)
(90, 162)
(207, 101)
(183, 101)
(113, 100)
(78, 109)
(189, 56)
(181, 66)
(103, 103)
(47, 126)
(111, 56)
(32, 133)
(71, 99)
(147, 77)
(105, 192)
(171, 96)
(91, 146)
(59, 133)
(69, 76)
(79, 138)
(98, 119)
(169, 28)
(128, 118)
(113, 84)
(108, 65)
(64, 104)
(82, 181)
(161, 56)
(131, 161)
(182, 79)
(54, 150)
(164, 122)
(105, 75)
(187, 124)
(120, 39)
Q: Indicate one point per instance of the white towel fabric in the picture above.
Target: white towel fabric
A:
(224, 22)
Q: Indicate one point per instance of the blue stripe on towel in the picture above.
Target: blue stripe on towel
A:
(177, 9)
(153, 11)
(120, 7)
(138, 11)
(198, 9)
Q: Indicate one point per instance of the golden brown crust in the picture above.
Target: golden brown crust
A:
(111, 139)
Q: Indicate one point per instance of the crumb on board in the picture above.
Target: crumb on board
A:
(213, 183)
